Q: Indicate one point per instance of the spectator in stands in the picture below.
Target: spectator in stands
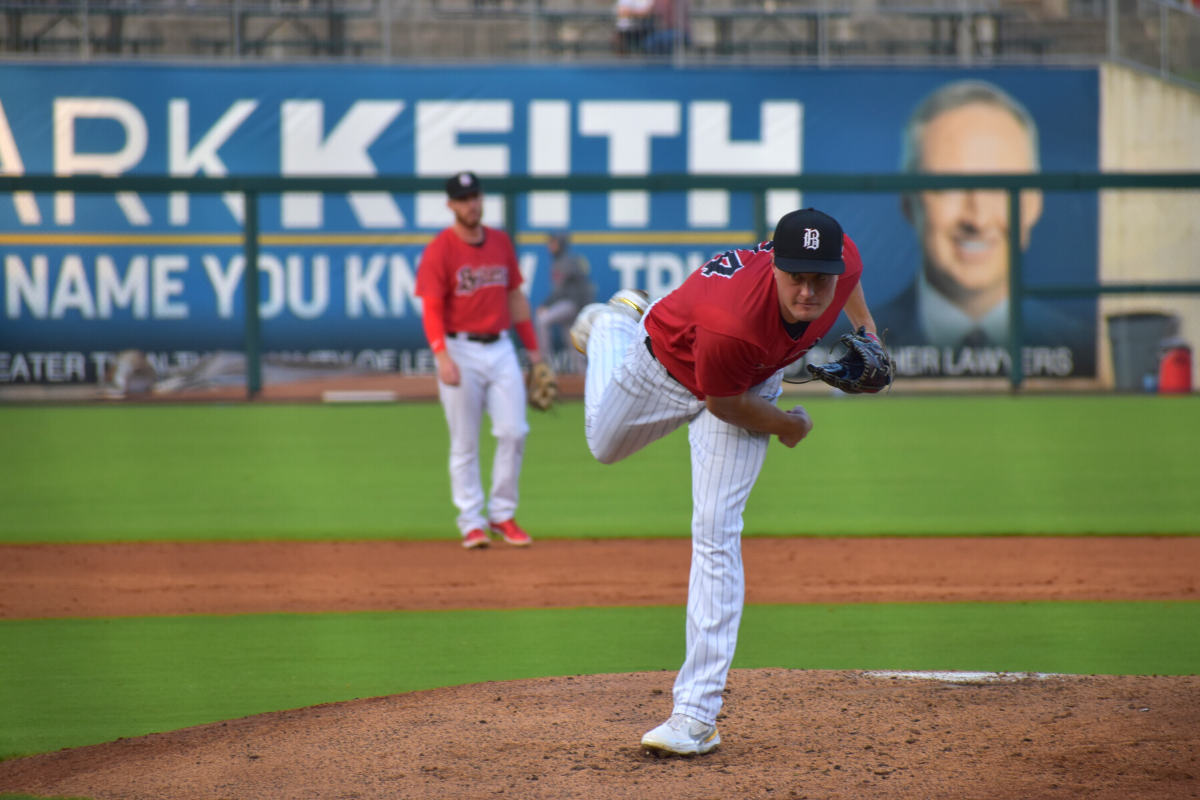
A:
(650, 26)
(671, 25)
(635, 22)
(570, 290)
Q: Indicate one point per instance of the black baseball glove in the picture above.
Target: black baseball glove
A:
(866, 367)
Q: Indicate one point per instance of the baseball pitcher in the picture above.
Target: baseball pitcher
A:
(711, 354)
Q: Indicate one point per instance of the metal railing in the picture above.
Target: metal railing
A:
(253, 187)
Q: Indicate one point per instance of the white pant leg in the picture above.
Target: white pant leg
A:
(629, 398)
(463, 405)
(726, 461)
(506, 406)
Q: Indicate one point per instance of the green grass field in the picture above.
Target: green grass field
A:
(74, 682)
(873, 465)
(883, 465)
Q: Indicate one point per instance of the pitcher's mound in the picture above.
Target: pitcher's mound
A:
(786, 734)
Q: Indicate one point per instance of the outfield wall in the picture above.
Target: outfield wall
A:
(89, 276)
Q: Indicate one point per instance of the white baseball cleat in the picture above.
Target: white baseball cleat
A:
(683, 736)
(581, 329)
(630, 302)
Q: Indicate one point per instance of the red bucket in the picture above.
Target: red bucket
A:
(1175, 368)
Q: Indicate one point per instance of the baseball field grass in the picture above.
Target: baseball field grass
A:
(873, 465)
(73, 682)
(890, 466)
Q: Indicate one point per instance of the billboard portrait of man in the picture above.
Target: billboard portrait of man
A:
(959, 297)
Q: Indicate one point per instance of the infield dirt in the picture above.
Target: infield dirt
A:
(787, 733)
(111, 580)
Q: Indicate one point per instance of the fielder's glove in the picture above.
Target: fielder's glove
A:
(866, 367)
(541, 386)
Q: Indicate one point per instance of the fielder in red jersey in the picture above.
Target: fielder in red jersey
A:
(473, 279)
(711, 355)
(470, 285)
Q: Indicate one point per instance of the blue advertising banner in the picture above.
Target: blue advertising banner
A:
(89, 276)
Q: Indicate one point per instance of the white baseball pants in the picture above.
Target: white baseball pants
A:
(631, 401)
(491, 381)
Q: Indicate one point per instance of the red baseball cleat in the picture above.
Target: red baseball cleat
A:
(512, 533)
(476, 538)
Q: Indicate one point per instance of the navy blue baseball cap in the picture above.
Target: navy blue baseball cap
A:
(464, 184)
(809, 241)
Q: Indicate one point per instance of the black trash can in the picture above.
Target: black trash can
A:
(1135, 347)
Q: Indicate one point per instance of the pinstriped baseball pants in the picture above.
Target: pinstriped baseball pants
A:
(631, 401)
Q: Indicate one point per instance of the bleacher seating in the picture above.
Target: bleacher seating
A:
(742, 30)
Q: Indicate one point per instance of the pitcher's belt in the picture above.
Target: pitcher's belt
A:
(650, 349)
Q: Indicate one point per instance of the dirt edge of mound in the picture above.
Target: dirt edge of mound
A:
(786, 734)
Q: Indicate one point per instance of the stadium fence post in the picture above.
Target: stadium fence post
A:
(760, 215)
(1015, 287)
(510, 216)
(253, 323)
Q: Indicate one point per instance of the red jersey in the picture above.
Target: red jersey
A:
(722, 332)
(473, 280)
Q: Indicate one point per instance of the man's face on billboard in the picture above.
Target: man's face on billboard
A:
(965, 233)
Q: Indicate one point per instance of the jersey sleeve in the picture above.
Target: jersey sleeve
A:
(431, 277)
(850, 254)
(725, 366)
(433, 319)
